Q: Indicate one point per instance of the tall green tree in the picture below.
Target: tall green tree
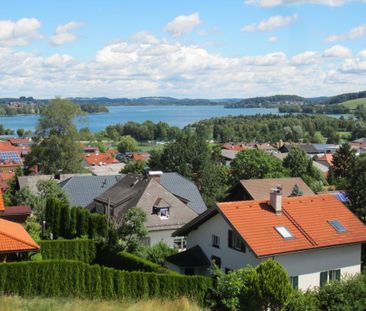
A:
(55, 147)
(356, 189)
(127, 143)
(132, 230)
(343, 160)
(254, 163)
(297, 162)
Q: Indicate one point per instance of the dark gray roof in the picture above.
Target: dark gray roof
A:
(184, 188)
(82, 190)
(143, 192)
(192, 257)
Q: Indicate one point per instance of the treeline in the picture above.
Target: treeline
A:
(344, 97)
(313, 109)
(272, 128)
(268, 101)
(145, 131)
(93, 108)
(11, 110)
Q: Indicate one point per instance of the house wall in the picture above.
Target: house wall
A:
(162, 235)
(306, 265)
(230, 258)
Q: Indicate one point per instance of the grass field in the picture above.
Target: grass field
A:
(354, 103)
(70, 304)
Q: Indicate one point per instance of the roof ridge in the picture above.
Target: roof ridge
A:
(17, 239)
(298, 226)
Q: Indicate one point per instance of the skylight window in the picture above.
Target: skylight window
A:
(337, 226)
(284, 232)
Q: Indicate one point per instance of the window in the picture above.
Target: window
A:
(180, 243)
(216, 260)
(215, 241)
(294, 280)
(337, 226)
(163, 213)
(331, 275)
(284, 232)
(235, 241)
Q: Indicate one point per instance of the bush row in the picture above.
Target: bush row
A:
(64, 278)
(130, 262)
(79, 249)
(75, 222)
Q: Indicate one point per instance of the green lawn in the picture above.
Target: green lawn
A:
(354, 103)
(71, 304)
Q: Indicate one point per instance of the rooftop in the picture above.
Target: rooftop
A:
(308, 219)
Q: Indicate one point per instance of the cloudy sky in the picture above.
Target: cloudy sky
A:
(190, 48)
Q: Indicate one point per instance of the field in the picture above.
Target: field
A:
(70, 304)
(354, 103)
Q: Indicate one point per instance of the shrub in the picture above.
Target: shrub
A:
(65, 278)
(80, 249)
(159, 252)
(130, 262)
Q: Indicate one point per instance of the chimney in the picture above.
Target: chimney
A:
(276, 199)
(156, 175)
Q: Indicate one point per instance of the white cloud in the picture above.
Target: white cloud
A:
(20, 32)
(183, 24)
(305, 58)
(354, 33)
(273, 3)
(338, 51)
(63, 33)
(145, 37)
(271, 23)
(144, 66)
(272, 39)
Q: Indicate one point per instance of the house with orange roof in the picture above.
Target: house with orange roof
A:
(94, 159)
(326, 160)
(316, 238)
(15, 241)
(17, 214)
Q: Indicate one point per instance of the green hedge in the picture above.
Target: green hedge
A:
(79, 249)
(130, 262)
(65, 278)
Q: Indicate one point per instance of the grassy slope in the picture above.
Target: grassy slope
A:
(70, 304)
(354, 103)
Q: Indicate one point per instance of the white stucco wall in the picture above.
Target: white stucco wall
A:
(306, 265)
(162, 235)
(230, 258)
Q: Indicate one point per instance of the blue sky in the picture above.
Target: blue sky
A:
(205, 48)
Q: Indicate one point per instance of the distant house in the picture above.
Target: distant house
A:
(228, 155)
(137, 156)
(258, 189)
(81, 190)
(18, 214)
(169, 201)
(326, 160)
(10, 161)
(15, 242)
(315, 238)
(311, 149)
(93, 159)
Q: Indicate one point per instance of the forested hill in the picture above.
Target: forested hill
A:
(269, 101)
(344, 97)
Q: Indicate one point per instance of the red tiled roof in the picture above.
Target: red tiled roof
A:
(16, 141)
(5, 176)
(140, 156)
(307, 218)
(16, 210)
(101, 158)
(14, 238)
(233, 147)
(2, 205)
(328, 157)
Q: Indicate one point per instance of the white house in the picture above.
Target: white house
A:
(316, 238)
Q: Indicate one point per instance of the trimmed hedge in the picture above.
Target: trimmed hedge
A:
(79, 249)
(130, 262)
(65, 278)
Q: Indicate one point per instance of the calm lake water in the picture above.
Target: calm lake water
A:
(174, 115)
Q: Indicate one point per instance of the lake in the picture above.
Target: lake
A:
(174, 115)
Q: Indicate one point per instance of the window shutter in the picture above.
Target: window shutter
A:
(243, 247)
(323, 278)
(230, 239)
(338, 275)
(295, 282)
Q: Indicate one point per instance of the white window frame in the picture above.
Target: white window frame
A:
(165, 214)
